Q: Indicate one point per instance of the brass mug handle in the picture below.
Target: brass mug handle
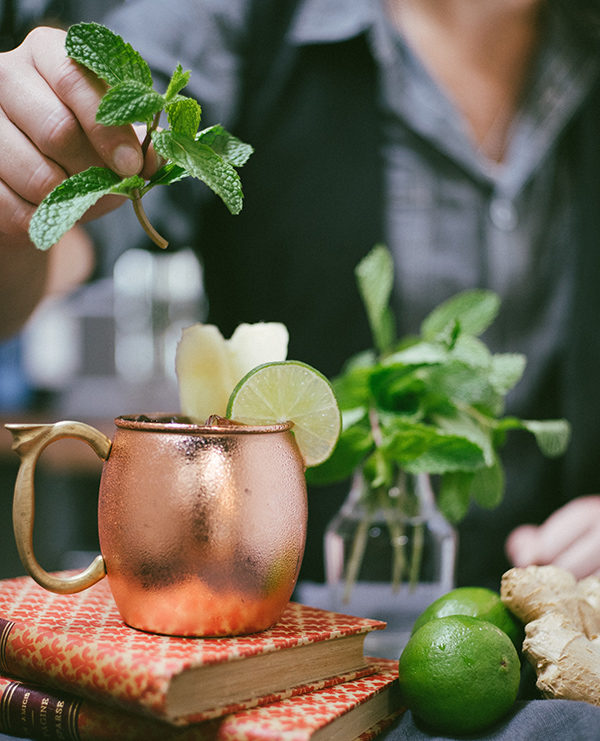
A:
(29, 440)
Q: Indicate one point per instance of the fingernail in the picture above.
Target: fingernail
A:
(127, 160)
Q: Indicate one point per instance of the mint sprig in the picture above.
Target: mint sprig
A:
(106, 54)
(432, 403)
(211, 155)
(69, 201)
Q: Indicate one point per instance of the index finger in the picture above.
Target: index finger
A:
(80, 91)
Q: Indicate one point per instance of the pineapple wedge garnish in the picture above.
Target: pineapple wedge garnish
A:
(208, 366)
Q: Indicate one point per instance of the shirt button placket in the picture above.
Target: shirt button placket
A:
(503, 214)
(505, 256)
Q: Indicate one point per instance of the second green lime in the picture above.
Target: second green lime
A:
(477, 602)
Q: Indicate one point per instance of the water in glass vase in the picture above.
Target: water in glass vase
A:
(388, 555)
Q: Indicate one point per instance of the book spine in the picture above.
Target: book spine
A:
(5, 627)
(31, 712)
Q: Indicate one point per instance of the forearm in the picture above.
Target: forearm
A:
(22, 281)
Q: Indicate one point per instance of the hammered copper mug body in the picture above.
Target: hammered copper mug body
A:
(202, 528)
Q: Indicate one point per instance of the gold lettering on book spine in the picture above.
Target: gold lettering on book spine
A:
(5, 627)
(5, 704)
(24, 701)
(33, 712)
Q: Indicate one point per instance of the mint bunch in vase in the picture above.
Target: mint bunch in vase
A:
(423, 428)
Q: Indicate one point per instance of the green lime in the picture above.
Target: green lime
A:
(477, 602)
(290, 391)
(459, 674)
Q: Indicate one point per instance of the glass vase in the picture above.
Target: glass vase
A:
(389, 553)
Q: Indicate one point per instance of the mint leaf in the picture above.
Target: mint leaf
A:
(352, 389)
(166, 175)
(179, 79)
(352, 447)
(229, 147)
(406, 441)
(552, 435)
(129, 102)
(375, 279)
(351, 417)
(507, 370)
(472, 310)
(127, 186)
(471, 351)
(379, 471)
(447, 453)
(106, 54)
(462, 424)
(421, 448)
(466, 385)
(397, 388)
(454, 495)
(487, 487)
(203, 163)
(183, 116)
(420, 353)
(67, 203)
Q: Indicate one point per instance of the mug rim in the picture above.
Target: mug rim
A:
(154, 423)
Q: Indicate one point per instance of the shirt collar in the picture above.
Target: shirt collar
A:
(327, 21)
(562, 77)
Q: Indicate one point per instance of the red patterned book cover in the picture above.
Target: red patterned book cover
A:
(78, 643)
(360, 708)
(357, 709)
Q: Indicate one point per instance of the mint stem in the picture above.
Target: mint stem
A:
(145, 222)
(375, 427)
(137, 196)
(396, 535)
(357, 553)
(149, 129)
(417, 554)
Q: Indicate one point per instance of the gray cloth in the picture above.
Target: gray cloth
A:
(550, 720)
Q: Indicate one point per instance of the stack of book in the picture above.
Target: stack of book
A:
(70, 669)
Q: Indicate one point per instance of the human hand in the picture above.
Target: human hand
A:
(48, 129)
(569, 538)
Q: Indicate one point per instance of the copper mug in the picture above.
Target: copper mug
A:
(202, 528)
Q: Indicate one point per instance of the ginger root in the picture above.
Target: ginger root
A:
(562, 629)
